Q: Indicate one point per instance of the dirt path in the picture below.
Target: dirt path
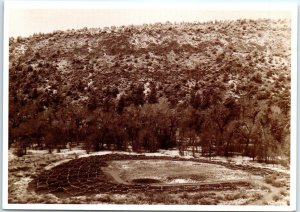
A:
(114, 175)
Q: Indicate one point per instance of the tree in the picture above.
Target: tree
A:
(121, 104)
(147, 140)
(208, 139)
(92, 103)
(247, 124)
(190, 127)
(201, 100)
(138, 96)
(152, 96)
(222, 115)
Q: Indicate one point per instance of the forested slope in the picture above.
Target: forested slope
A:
(221, 88)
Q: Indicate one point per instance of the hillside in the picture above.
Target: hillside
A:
(223, 86)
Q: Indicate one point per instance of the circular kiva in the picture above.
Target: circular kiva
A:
(85, 176)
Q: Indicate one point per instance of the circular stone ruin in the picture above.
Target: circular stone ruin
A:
(118, 173)
(145, 181)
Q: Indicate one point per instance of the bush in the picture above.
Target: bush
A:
(283, 193)
(275, 198)
(257, 196)
(278, 184)
(270, 179)
(19, 152)
(257, 78)
(263, 95)
(273, 180)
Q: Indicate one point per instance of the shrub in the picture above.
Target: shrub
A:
(257, 78)
(275, 198)
(19, 151)
(278, 183)
(184, 195)
(273, 180)
(263, 95)
(265, 188)
(270, 179)
(283, 192)
(269, 73)
(257, 196)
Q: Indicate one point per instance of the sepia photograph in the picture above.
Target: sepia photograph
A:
(128, 104)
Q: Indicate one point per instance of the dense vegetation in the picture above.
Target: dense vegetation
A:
(217, 88)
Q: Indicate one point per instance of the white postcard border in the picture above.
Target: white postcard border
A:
(127, 4)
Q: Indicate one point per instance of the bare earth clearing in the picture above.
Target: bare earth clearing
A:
(172, 172)
(142, 179)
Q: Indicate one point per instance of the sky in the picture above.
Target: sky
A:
(25, 22)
